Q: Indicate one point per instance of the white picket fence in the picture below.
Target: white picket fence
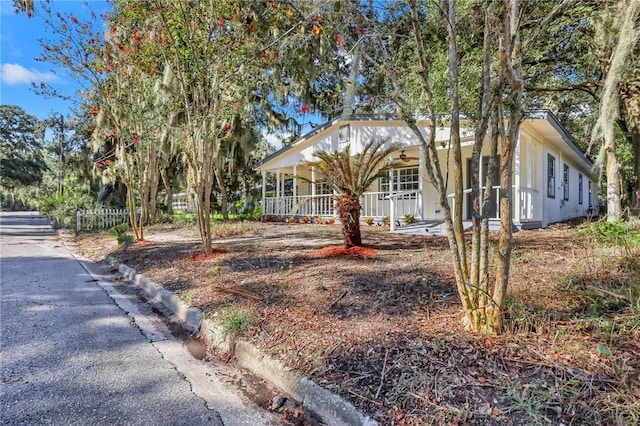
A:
(86, 220)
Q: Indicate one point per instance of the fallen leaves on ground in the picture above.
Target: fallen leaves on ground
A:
(380, 324)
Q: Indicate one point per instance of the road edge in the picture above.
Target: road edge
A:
(330, 407)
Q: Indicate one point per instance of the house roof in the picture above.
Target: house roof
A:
(532, 115)
(566, 137)
(328, 124)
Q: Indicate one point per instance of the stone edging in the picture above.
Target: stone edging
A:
(332, 408)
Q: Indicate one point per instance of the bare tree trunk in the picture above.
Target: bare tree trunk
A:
(458, 228)
(434, 170)
(128, 180)
(629, 35)
(168, 188)
(614, 203)
(510, 61)
(224, 196)
(631, 103)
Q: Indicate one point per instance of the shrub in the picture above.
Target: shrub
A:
(62, 209)
(119, 232)
(185, 219)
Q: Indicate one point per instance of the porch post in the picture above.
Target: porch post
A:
(392, 207)
(278, 200)
(313, 190)
(264, 192)
(517, 171)
(295, 185)
(420, 183)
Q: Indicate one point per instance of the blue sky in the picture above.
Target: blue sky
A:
(19, 47)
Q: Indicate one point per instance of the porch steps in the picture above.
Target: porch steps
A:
(423, 227)
(437, 227)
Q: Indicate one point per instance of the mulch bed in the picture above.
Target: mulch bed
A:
(364, 252)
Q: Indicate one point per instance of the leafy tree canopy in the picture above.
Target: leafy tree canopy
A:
(21, 160)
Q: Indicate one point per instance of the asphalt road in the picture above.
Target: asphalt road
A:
(75, 351)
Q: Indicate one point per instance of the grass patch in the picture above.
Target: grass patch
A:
(236, 322)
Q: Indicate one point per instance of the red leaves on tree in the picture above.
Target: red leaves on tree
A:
(340, 41)
(362, 31)
(134, 138)
(94, 110)
(221, 22)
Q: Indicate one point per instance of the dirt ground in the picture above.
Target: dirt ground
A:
(381, 325)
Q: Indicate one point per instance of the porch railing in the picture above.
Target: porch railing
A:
(399, 207)
(467, 191)
(530, 203)
(311, 205)
(374, 204)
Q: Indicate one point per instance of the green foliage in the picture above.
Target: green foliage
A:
(119, 232)
(187, 297)
(61, 209)
(622, 240)
(20, 199)
(236, 322)
(409, 219)
(21, 159)
(185, 219)
(616, 233)
(257, 213)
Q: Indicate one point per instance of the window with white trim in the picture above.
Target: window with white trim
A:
(344, 134)
(580, 191)
(551, 176)
(565, 181)
(322, 188)
(405, 179)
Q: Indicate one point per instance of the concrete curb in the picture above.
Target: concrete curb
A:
(332, 408)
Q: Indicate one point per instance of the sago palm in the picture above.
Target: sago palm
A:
(350, 176)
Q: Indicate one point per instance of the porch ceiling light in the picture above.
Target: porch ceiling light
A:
(403, 156)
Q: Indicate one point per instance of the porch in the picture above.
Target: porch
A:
(379, 206)
(404, 207)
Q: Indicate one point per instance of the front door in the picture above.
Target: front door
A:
(493, 202)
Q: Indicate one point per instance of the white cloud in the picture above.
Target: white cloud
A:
(14, 74)
(276, 140)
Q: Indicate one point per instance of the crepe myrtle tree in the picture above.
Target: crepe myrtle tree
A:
(350, 176)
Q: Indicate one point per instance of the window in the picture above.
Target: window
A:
(322, 188)
(406, 179)
(590, 197)
(580, 195)
(344, 134)
(551, 176)
(565, 181)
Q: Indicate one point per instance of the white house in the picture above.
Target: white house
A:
(553, 178)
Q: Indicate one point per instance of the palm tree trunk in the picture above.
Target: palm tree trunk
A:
(349, 212)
